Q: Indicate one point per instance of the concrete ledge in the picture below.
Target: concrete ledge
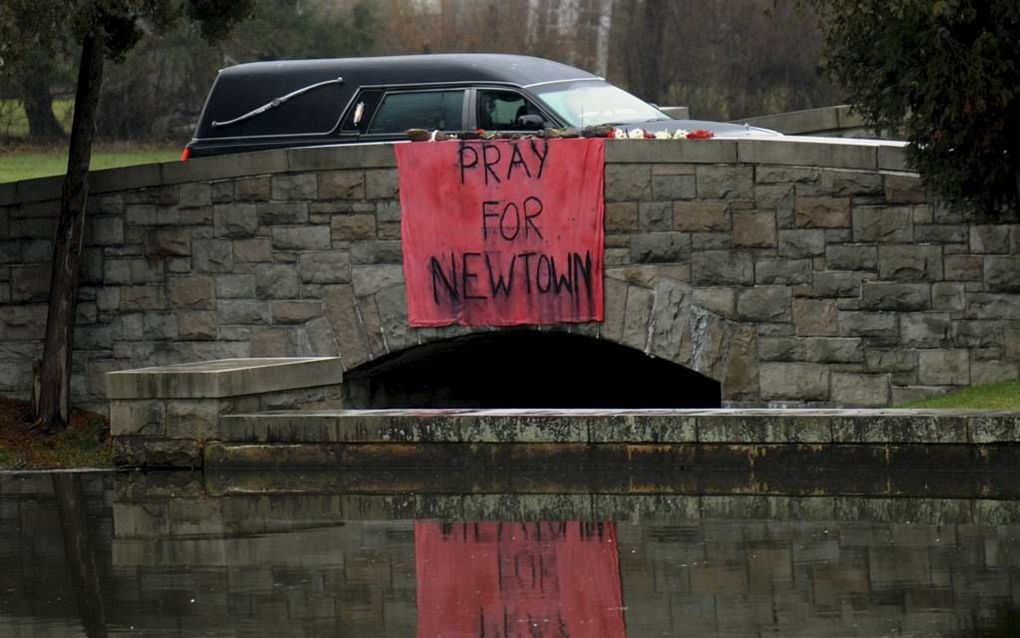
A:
(240, 497)
(893, 158)
(792, 151)
(224, 378)
(208, 168)
(870, 427)
(36, 190)
(821, 152)
(795, 122)
(224, 166)
(763, 460)
(671, 151)
(820, 121)
(677, 112)
(340, 157)
(632, 482)
(9, 193)
(242, 434)
(128, 178)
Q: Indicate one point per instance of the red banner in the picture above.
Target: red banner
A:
(518, 580)
(502, 232)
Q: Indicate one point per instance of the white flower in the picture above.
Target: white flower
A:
(620, 133)
(680, 134)
(635, 134)
(663, 135)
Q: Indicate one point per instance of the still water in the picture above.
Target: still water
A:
(189, 555)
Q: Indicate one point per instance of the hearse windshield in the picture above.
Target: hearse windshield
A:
(594, 102)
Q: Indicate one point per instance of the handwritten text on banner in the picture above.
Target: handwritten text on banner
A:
(502, 232)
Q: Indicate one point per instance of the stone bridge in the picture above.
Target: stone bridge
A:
(780, 272)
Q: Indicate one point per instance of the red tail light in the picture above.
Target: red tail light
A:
(185, 154)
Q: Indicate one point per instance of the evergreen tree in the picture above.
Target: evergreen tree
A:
(948, 72)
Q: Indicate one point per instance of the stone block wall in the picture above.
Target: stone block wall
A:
(795, 273)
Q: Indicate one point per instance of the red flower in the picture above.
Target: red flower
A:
(700, 134)
(611, 134)
(649, 136)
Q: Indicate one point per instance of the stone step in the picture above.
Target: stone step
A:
(224, 378)
(738, 426)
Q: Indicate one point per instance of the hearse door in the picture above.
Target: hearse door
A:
(401, 109)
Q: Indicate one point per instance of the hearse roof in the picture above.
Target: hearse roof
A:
(242, 88)
(409, 69)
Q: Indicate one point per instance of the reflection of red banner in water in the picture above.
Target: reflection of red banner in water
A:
(518, 580)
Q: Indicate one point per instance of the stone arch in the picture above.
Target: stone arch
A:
(656, 317)
(526, 368)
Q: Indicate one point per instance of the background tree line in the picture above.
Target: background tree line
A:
(724, 59)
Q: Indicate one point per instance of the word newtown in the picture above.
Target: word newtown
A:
(475, 275)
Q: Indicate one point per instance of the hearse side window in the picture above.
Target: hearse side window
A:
(429, 110)
(499, 110)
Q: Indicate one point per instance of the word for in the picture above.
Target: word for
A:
(512, 219)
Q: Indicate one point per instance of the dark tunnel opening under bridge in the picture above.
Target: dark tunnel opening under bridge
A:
(527, 369)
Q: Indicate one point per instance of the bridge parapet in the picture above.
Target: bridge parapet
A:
(828, 121)
(795, 271)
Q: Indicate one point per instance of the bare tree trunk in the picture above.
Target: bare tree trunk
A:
(603, 26)
(51, 404)
(79, 552)
(654, 16)
(38, 103)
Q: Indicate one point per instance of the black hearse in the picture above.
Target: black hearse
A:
(285, 104)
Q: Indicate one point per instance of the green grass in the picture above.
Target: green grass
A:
(14, 122)
(995, 396)
(30, 162)
(23, 161)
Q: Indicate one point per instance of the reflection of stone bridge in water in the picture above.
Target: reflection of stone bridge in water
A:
(181, 554)
(752, 272)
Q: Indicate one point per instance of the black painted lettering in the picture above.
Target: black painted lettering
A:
(462, 152)
(439, 276)
(485, 216)
(491, 160)
(564, 282)
(504, 226)
(549, 274)
(517, 160)
(540, 154)
(497, 282)
(467, 275)
(582, 272)
(527, 270)
(532, 209)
